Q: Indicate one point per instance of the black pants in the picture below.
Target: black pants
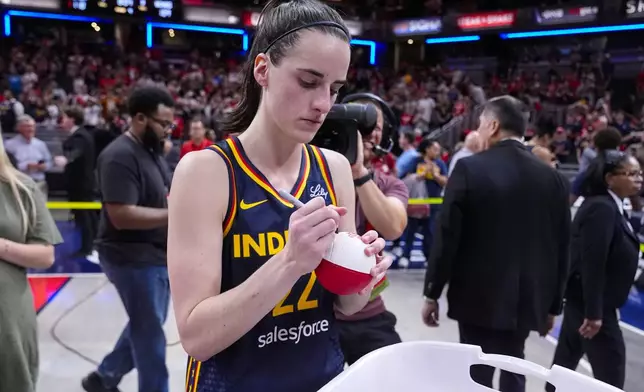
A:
(415, 225)
(492, 341)
(426, 227)
(606, 351)
(359, 338)
(86, 221)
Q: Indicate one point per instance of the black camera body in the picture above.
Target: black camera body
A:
(339, 132)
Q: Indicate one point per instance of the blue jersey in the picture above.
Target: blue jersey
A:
(295, 347)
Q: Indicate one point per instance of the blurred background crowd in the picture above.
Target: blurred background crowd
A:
(58, 74)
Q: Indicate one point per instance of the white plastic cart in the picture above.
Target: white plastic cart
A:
(445, 367)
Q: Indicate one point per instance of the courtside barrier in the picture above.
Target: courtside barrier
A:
(442, 366)
(631, 313)
(73, 205)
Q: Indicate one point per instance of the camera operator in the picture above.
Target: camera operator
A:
(381, 206)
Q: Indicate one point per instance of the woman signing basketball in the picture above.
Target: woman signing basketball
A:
(251, 314)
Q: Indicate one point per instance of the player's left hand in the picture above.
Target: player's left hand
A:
(375, 248)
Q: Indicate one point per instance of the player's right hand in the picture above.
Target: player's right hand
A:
(311, 232)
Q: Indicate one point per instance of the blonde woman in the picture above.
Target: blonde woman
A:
(27, 236)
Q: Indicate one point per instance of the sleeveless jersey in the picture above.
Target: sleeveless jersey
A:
(295, 347)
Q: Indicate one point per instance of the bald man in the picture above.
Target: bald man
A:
(545, 155)
(472, 145)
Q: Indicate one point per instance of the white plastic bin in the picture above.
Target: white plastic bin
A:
(445, 367)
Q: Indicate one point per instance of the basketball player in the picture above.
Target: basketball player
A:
(250, 312)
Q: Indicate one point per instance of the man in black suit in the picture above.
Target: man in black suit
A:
(79, 162)
(501, 243)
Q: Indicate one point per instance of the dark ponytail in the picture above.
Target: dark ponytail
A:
(593, 182)
(242, 115)
(276, 19)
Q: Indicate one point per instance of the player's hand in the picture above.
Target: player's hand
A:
(311, 232)
(376, 245)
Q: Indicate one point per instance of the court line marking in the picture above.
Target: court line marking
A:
(72, 275)
(51, 299)
(583, 362)
(631, 328)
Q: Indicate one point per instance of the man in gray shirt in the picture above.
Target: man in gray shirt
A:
(31, 154)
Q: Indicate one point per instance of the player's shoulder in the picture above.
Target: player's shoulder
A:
(341, 177)
(334, 156)
(335, 160)
(205, 162)
(202, 177)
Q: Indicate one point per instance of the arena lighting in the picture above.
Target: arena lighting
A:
(205, 29)
(580, 30)
(42, 15)
(447, 40)
(245, 42)
(371, 45)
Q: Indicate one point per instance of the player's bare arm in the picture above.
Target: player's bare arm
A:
(210, 321)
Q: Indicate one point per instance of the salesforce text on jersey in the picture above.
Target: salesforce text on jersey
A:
(293, 334)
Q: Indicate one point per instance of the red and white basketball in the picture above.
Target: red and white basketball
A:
(346, 269)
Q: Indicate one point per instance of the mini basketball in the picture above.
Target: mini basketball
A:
(345, 269)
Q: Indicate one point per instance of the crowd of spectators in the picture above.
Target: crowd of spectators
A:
(41, 77)
(48, 89)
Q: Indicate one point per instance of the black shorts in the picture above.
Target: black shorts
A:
(358, 338)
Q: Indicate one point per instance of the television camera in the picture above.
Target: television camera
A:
(339, 132)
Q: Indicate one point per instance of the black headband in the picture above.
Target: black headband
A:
(306, 26)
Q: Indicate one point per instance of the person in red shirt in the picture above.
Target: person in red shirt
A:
(198, 140)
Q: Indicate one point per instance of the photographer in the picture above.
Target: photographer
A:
(381, 206)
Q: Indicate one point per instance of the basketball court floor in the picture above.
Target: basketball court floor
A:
(83, 319)
(80, 317)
